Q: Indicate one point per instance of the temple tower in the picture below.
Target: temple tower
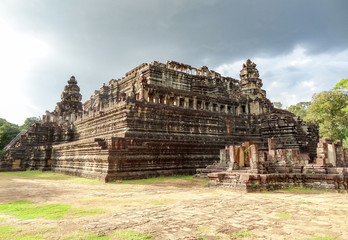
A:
(250, 85)
(71, 100)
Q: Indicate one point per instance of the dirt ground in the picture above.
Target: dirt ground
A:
(179, 209)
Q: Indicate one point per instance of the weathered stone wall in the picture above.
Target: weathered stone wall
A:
(32, 150)
(256, 182)
(245, 168)
(165, 119)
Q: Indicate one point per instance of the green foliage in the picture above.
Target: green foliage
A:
(131, 235)
(29, 210)
(327, 110)
(299, 109)
(277, 104)
(341, 85)
(28, 122)
(7, 132)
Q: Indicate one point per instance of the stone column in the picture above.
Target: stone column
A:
(194, 103)
(241, 156)
(331, 154)
(271, 147)
(254, 156)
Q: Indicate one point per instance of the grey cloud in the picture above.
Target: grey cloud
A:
(100, 40)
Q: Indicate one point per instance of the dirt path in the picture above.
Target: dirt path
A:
(178, 209)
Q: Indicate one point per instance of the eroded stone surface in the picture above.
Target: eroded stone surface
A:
(180, 211)
(245, 168)
(162, 119)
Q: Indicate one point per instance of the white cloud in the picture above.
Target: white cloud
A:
(19, 53)
(296, 76)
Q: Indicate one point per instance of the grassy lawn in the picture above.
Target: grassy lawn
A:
(162, 180)
(38, 205)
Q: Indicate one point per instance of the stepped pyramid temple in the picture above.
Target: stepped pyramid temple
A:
(165, 119)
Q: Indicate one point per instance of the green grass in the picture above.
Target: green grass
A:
(306, 203)
(304, 190)
(29, 210)
(282, 215)
(86, 235)
(84, 181)
(184, 180)
(48, 175)
(97, 237)
(157, 179)
(203, 229)
(131, 235)
(323, 238)
(242, 235)
(158, 203)
(9, 232)
(38, 174)
(86, 212)
(319, 238)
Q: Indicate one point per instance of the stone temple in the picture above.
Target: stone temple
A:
(160, 119)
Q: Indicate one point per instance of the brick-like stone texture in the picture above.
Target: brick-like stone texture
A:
(160, 119)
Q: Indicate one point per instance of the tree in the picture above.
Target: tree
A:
(328, 111)
(28, 122)
(7, 132)
(299, 109)
(277, 105)
(341, 85)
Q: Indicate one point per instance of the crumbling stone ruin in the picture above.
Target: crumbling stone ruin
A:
(247, 168)
(160, 119)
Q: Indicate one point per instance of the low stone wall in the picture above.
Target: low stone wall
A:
(255, 182)
(123, 158)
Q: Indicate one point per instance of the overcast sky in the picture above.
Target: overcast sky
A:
(300, 47)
